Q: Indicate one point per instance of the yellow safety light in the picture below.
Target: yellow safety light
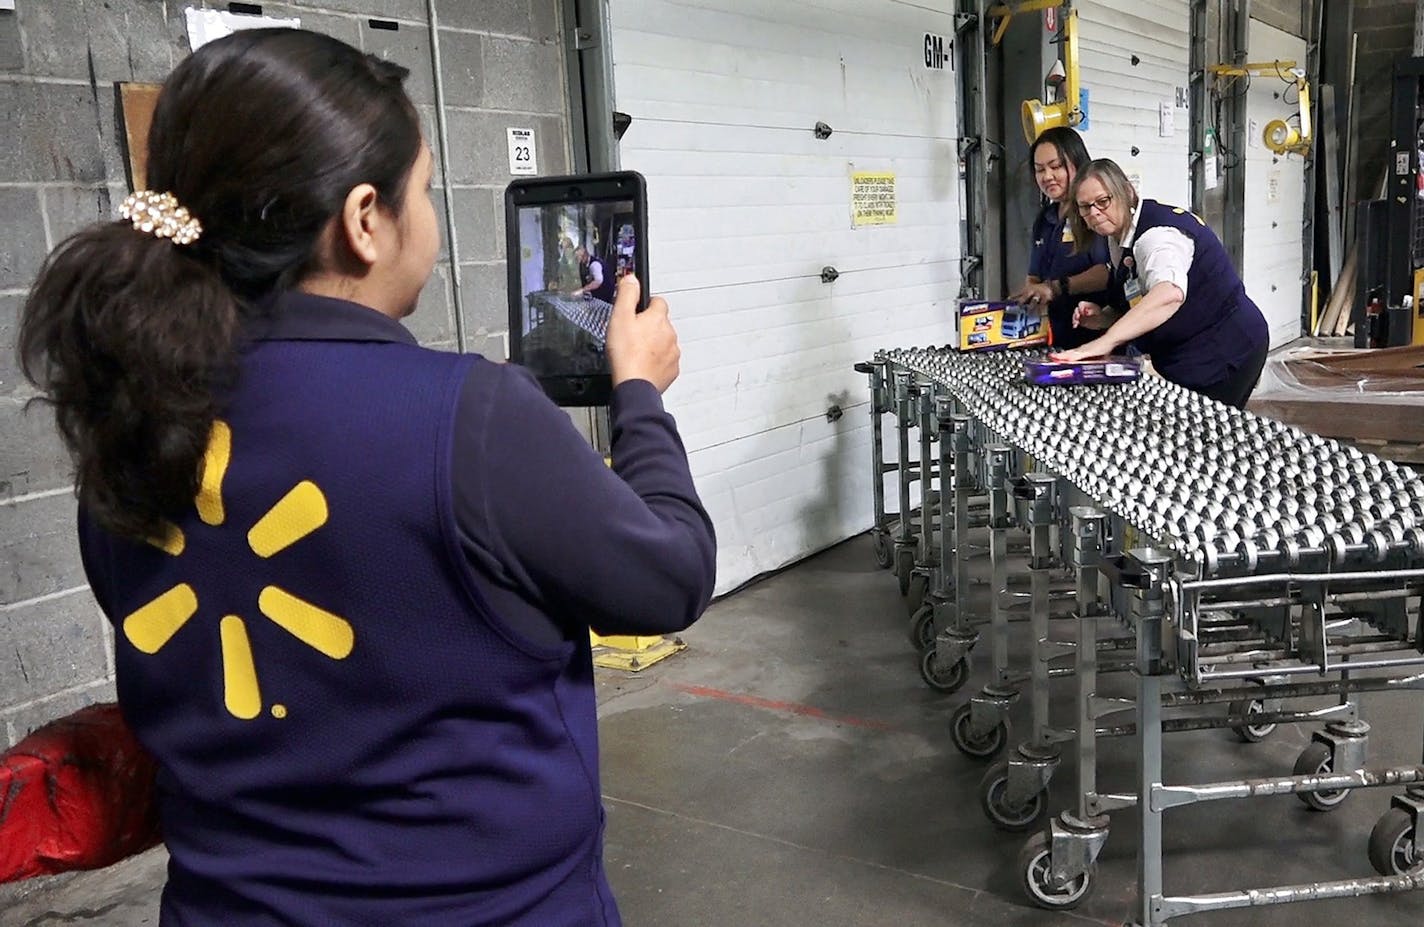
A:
(1280, 137)
(1038, 116)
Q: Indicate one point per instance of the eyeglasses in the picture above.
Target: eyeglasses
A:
(1100, 204)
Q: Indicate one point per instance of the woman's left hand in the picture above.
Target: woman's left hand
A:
(1098, 347)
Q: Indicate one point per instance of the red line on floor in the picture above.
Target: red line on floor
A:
(794, 708)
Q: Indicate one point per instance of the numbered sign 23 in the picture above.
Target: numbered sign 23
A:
(523, 157)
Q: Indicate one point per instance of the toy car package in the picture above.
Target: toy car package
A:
(996, 325)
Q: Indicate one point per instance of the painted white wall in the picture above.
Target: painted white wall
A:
(746, 207)
(1125, 99)
(1272, 262)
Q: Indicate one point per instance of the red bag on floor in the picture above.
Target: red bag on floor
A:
(75, 794)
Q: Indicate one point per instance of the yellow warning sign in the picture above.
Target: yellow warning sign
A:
(872, 199)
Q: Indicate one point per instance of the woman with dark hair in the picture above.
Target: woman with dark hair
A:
(352, 579)
(1060, 276)
(1175, 294)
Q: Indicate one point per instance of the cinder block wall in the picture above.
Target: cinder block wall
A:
(61, 168)
(1286, 15)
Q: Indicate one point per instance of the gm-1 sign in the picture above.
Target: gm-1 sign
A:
(938, 52)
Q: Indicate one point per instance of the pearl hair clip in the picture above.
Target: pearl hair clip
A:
(159, 215)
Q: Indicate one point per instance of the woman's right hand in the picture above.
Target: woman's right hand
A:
(1091, 315)
(641, 345)
(1033, 292)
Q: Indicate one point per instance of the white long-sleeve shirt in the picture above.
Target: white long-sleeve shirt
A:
(1163, 255)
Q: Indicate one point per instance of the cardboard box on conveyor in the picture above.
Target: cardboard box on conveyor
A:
(998, 324)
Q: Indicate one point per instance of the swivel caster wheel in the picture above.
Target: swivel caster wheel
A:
(904, 566)
(1318, 759)
(941, 675)
(922, 628)
(1392, 845)
(981, 747)
(1012, 818)
(884, 550)
(1035, 864)
(1250, 733)
(919, 588)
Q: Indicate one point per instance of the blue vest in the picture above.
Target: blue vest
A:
(347, 734)
(1218, 328)
(1053, 257)
(606, 290)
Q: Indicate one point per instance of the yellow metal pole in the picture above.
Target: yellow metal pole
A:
(1006, 11)
(1027, 6)
(1257, 67)
(1073, 97)
(1314, 301)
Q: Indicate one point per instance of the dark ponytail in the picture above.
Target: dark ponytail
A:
(133, 338)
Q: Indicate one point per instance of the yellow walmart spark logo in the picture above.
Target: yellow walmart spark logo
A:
(297, 514)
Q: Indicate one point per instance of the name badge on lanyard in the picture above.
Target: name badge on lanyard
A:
(1132, 286)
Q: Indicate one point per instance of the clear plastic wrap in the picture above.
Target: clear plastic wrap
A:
(1386, 376)
(1359, 395)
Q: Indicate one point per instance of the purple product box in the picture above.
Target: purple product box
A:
(1080, 373)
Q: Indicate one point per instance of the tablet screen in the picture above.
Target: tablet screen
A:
(571, 257)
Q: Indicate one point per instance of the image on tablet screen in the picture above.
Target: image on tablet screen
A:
(571, 257)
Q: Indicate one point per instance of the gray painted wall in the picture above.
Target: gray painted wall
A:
(62, 168)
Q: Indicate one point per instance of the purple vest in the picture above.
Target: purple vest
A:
(1218, 327)
(347, 734)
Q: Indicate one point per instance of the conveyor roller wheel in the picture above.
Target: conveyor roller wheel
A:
(904, 566)
(1250, 733)
(1392, 844)
(1318, 759)
(941, 677)
(962, 735)
(993, 791)
(922, 628)
(884, 550)
(919, 588)
(1035, 865)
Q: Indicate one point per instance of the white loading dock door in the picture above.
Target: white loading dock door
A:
(746, 208)
(1125, 101)
(1272, 263)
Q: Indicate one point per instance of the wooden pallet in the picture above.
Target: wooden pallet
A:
(1401, 453)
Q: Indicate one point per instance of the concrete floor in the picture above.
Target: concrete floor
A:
(791, 769)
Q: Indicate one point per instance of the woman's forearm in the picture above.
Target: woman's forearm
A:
(1159, 305)
(1092, 280)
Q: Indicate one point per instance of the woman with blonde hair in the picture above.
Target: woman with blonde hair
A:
(1175, 294)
